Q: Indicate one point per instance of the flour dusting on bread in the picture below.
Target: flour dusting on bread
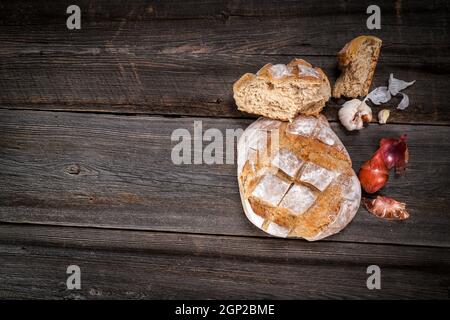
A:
(283, 91)
(305, 187)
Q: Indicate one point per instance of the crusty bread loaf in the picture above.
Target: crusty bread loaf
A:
(357, 60)
(296, 179)
(283, 91)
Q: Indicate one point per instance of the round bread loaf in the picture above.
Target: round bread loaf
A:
(296, 178)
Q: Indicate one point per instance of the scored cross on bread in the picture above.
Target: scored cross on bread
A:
(296, 179)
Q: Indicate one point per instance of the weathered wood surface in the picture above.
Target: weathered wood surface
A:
(133, 264)
(100, 190)
(187, 84)
(173, 62)
(23, 12)
(408, 34)
(116, 171)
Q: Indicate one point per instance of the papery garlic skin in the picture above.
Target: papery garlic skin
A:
(379, 95)
(397, 85)
(354, 113)
(383, 115)
(383, 94)
(404, 103)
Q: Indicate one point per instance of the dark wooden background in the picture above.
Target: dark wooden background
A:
(85, 172)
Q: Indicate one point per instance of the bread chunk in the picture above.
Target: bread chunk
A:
(302, 187)
(357, 60)
(282, 91)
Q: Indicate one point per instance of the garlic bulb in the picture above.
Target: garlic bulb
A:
(354, 113)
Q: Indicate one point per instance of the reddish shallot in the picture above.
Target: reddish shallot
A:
(374, 173)
(386, 208)
(395, 153)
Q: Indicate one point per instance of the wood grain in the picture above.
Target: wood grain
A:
(116, 172)
(100, 190)
(118, 264)
(415, 35)
(196, 85)
(23, 12)
(162, 58)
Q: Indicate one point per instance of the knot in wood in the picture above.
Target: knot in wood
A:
(73, 169)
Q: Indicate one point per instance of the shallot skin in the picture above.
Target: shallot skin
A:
(386, 208)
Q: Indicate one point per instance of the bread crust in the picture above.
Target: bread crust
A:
(283, 91)
(357, 66)
(300, 202)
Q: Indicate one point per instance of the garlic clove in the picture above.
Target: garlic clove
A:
(404, 103)
(365, 111)
(354, 113)
(397, 85)
(383, 115)
(379, 95)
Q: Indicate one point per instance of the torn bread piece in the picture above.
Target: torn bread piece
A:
(302, 187)
(357, 60)
(282, 91)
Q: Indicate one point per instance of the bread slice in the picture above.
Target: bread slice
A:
(357, 60)
(282, 91)
(296, 179)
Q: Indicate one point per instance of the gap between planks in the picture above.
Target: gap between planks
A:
(44, 226)
(186, 116)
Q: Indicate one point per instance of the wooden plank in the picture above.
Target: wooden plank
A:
(222, 27)
(116, 172)
(146, 265)
(162, 58)
(199, 85)
(21, 12)
(417, 34)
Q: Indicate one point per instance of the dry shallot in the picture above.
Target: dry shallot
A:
(374, 173)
